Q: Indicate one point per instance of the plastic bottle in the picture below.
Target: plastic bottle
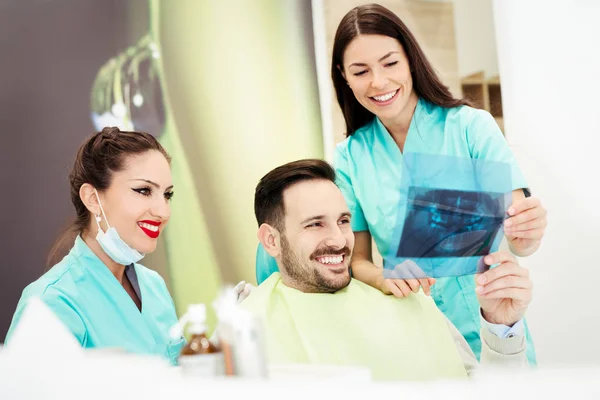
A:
(250, 349)
(225, 307)
(242, 338)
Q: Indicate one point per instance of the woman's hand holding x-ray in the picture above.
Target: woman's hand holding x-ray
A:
(504, 292)
(526, 226)
(404, 279)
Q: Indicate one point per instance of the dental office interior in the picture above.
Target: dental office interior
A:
(234, 88)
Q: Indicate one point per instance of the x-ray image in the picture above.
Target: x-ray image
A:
(449, 216)
(447, 233)
(450, 223)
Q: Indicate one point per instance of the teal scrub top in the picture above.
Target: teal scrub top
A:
(369, 167)
(95, 307)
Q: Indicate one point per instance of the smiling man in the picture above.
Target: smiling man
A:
(295, 206)
(314, 312)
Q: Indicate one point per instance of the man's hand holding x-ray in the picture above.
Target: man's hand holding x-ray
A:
(504, 292)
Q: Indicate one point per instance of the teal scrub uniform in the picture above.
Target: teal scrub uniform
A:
(95, 307)
(369, 168)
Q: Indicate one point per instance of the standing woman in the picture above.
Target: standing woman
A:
(393, 104)
(121, 188)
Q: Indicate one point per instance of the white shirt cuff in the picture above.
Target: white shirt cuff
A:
(504, 331)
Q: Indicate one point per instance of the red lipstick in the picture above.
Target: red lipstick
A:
(150, 228)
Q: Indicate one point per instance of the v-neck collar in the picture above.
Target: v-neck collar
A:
(106, 277)
(131, 274)
(143, 325)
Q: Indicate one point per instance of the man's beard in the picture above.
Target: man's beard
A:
(309, 279)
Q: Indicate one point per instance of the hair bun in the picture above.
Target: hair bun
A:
(110, 131)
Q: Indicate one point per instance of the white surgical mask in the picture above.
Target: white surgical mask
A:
(113, 245)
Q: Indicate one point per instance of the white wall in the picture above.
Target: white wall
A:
(550, 85)
(475, 37)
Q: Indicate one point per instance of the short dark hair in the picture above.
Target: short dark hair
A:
(374, 19)
(268, 197)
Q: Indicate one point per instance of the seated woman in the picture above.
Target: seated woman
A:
(121, 188)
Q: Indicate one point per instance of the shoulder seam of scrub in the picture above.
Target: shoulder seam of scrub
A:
(472, 114)
(60, 277)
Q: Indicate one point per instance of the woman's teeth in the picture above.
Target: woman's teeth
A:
(385, 97)
(148, 226)
(331, 260)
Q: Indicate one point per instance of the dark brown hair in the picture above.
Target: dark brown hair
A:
(98, 158)
(268, 197)
(373, 19)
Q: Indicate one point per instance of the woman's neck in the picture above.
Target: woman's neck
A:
(116, 269)
(399, 125)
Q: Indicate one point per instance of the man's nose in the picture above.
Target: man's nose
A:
(336, 238)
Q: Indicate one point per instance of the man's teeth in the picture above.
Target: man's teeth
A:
(331, 260)
(385, 97)
(148, 226)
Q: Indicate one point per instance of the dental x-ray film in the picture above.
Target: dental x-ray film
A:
(450, 216)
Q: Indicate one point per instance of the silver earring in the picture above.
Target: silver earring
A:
(98, 219)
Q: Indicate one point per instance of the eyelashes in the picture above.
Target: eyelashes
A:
(147, 191)
(388, 65)
(320, 224)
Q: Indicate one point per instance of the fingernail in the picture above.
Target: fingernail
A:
(511, 211)
(479, 289)
(488, 260)
(482, 279)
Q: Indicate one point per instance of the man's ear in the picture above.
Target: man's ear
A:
(270, 240)
(87, 194)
